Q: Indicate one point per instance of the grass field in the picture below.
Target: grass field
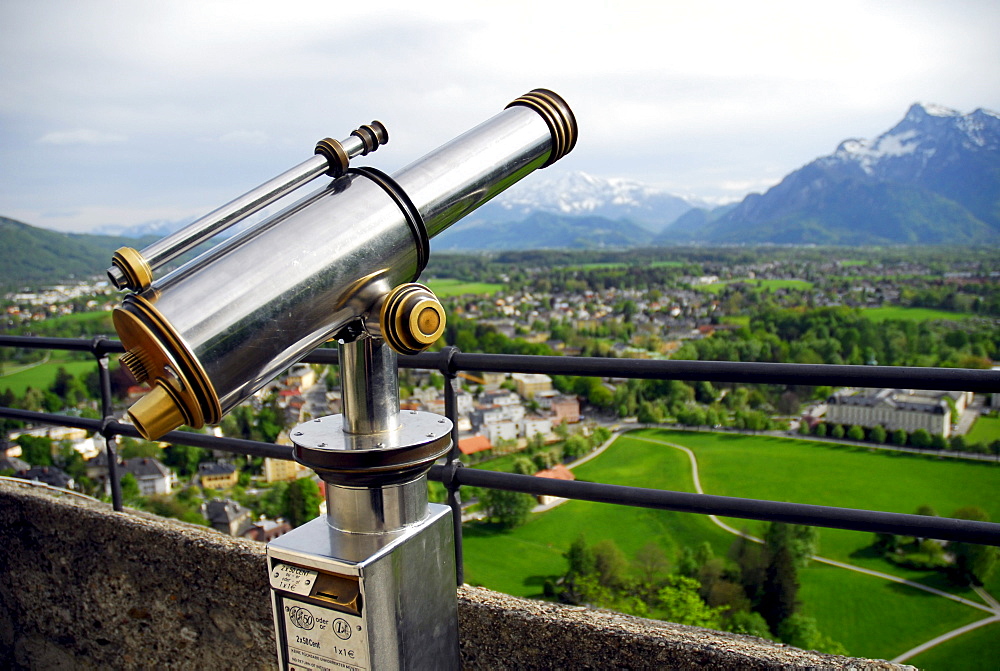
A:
(977, 650)
(913, 314)
(533, 552)
(43, 375)
(854, 609)
(446, 286)
(758, 285)
(861, 611)
(985, 430)
(785, 469)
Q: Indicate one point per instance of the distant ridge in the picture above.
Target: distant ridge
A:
(31, 256)
(934, 178)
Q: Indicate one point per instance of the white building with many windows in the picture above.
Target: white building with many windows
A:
(895, 409)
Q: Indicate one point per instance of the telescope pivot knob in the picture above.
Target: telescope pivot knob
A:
(411, 318)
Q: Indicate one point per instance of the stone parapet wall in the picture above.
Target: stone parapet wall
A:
(84, 587)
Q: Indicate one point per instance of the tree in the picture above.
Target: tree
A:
(679, 602)
(801, 631)
(509, 509)
(781, 588)
(130, 489)
(957, 443)
(752, 561)
(877, 434)
(837, 431)
(973, 563)
(687, 565)
(899, 437)
(184, 458)
(133, 447)
(920, 439)
(820, 429)
(523, 466)
(651, 563)
(886, 543)
(939, 442)
(580, 557)
(800, 540)
(36, 450)
(749, 623)
(856, 433)
(610, 563)
(301, 501)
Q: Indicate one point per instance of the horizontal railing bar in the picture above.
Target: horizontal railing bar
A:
(921, 526)
(795, 513)
(237, 445)
(71, 344)
(900, 377)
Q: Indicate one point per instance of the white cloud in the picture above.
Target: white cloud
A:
(705, 95)
(86, 136)
(256, 137)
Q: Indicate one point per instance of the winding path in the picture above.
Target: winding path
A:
(992, 606)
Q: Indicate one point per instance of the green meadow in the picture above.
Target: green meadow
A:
(860, 611)
(758, 285)
(446, 287)
(977, 650)
(913, 314)
(985, 430)
(42, 375)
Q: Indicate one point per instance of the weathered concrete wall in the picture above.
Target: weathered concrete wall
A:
(83, 587)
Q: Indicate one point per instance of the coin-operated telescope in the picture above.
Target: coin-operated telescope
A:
(371, 585)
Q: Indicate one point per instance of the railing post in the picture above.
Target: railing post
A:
(107, 410)
(454, 455)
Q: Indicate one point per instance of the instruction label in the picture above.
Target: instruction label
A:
(320, 639)
(288, 578)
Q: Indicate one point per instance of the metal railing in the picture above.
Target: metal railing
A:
(450, 361)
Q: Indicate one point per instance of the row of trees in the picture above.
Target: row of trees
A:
(920, 439)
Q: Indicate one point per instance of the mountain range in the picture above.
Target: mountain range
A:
(934, 178)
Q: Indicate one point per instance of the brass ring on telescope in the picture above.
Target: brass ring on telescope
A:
(558, 117)
(182, 392)
(336, 157)
(135, 268)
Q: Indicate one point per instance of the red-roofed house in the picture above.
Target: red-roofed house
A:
(473, 444)
(557, 472)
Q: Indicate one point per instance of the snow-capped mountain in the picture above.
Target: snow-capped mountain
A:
(927, 137)
(932, 178)
(157, 227)
(578, 194)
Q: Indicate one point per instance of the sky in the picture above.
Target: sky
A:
(121, 113)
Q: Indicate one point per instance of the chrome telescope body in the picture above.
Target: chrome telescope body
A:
(133, 270)
(334, 264)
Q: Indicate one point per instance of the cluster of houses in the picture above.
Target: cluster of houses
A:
(53, 301)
